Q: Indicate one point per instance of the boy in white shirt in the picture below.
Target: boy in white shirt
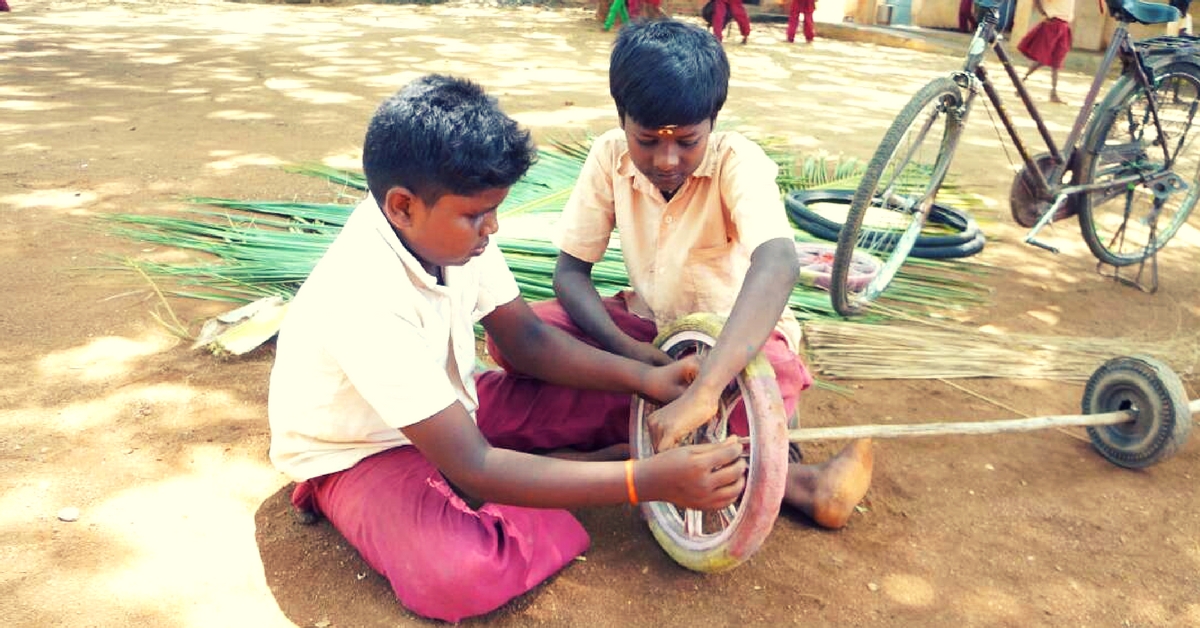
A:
(373, 405)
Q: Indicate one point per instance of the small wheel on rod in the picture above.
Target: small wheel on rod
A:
(721, 540)
(1156, 397)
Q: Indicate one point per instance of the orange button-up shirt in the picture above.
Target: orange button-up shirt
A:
(688, 254)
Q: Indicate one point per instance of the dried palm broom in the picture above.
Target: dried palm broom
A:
(929, 350)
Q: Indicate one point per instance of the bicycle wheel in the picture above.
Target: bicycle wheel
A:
(899, 186)
(1130, 222)
(718, 541)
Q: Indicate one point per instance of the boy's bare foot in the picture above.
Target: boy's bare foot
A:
(828, 492)
(1055, 99)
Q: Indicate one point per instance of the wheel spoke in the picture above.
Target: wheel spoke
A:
(727, 516)
(693, 522)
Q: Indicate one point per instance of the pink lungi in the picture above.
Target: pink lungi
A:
(448, 561)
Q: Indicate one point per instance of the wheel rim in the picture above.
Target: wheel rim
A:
(692, 529)
(1133, 399)
(1125, 224)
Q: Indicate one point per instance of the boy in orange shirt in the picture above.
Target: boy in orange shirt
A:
(702, 229)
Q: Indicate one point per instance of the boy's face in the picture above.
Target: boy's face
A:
(667, 155)
(448, 233)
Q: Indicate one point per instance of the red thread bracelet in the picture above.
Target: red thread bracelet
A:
(629, 486)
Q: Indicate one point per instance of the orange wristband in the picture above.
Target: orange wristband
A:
(629, 486)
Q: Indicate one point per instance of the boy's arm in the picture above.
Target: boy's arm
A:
(705, 477)
(773, 272)
(575, 291)
(549, 354)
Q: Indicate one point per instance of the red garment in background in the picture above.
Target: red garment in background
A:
(737, 10)
(806, 7)
(966, 16)
(1047, 43)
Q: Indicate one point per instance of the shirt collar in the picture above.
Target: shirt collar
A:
(625, 167)
(374, 217)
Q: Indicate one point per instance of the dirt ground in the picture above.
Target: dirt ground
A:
(132, 106)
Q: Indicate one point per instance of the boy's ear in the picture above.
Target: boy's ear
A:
(398, 207)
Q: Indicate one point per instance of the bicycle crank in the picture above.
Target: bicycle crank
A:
(1027, 207)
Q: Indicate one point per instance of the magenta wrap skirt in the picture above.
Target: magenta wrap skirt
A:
(447, 561)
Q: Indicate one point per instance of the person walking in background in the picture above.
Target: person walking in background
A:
(1047, 43)
(1185, 18)
(806, 7)
(966, 16)
(735, 9)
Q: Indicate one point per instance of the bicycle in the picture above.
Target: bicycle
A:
(1116, 170)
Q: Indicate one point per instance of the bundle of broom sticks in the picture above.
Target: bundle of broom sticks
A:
(923, 349)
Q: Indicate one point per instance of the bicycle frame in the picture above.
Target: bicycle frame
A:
(974, 77)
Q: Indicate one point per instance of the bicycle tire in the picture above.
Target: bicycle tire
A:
(1121, 140)
(963, 228)
(945, 98)
(752, 517)
(951, 251)
(966, 240)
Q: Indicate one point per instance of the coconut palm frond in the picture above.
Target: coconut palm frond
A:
(254, 249)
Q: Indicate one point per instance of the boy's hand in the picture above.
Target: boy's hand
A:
(646, 353)
(701, 477)
(668, 425)
(665, 384)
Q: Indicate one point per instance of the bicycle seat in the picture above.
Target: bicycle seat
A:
(1142, 12)
(988, 4)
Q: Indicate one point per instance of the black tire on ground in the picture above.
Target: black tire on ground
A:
(964, 227)
(1151, 390)
(947, 247)
(957, 251)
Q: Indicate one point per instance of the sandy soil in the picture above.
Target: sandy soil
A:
(132, 106)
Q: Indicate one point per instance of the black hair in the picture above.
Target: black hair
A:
(665, 72)
(443, 135)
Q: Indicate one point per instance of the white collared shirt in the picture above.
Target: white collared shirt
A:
(371, 343)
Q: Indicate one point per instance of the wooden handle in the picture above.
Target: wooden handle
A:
(973, 427)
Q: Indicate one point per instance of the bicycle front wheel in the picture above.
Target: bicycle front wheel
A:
(1128, 222)
(896, 193)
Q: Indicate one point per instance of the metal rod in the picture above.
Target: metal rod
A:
(974, 427)
(1039, 179)
(1027, 100)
